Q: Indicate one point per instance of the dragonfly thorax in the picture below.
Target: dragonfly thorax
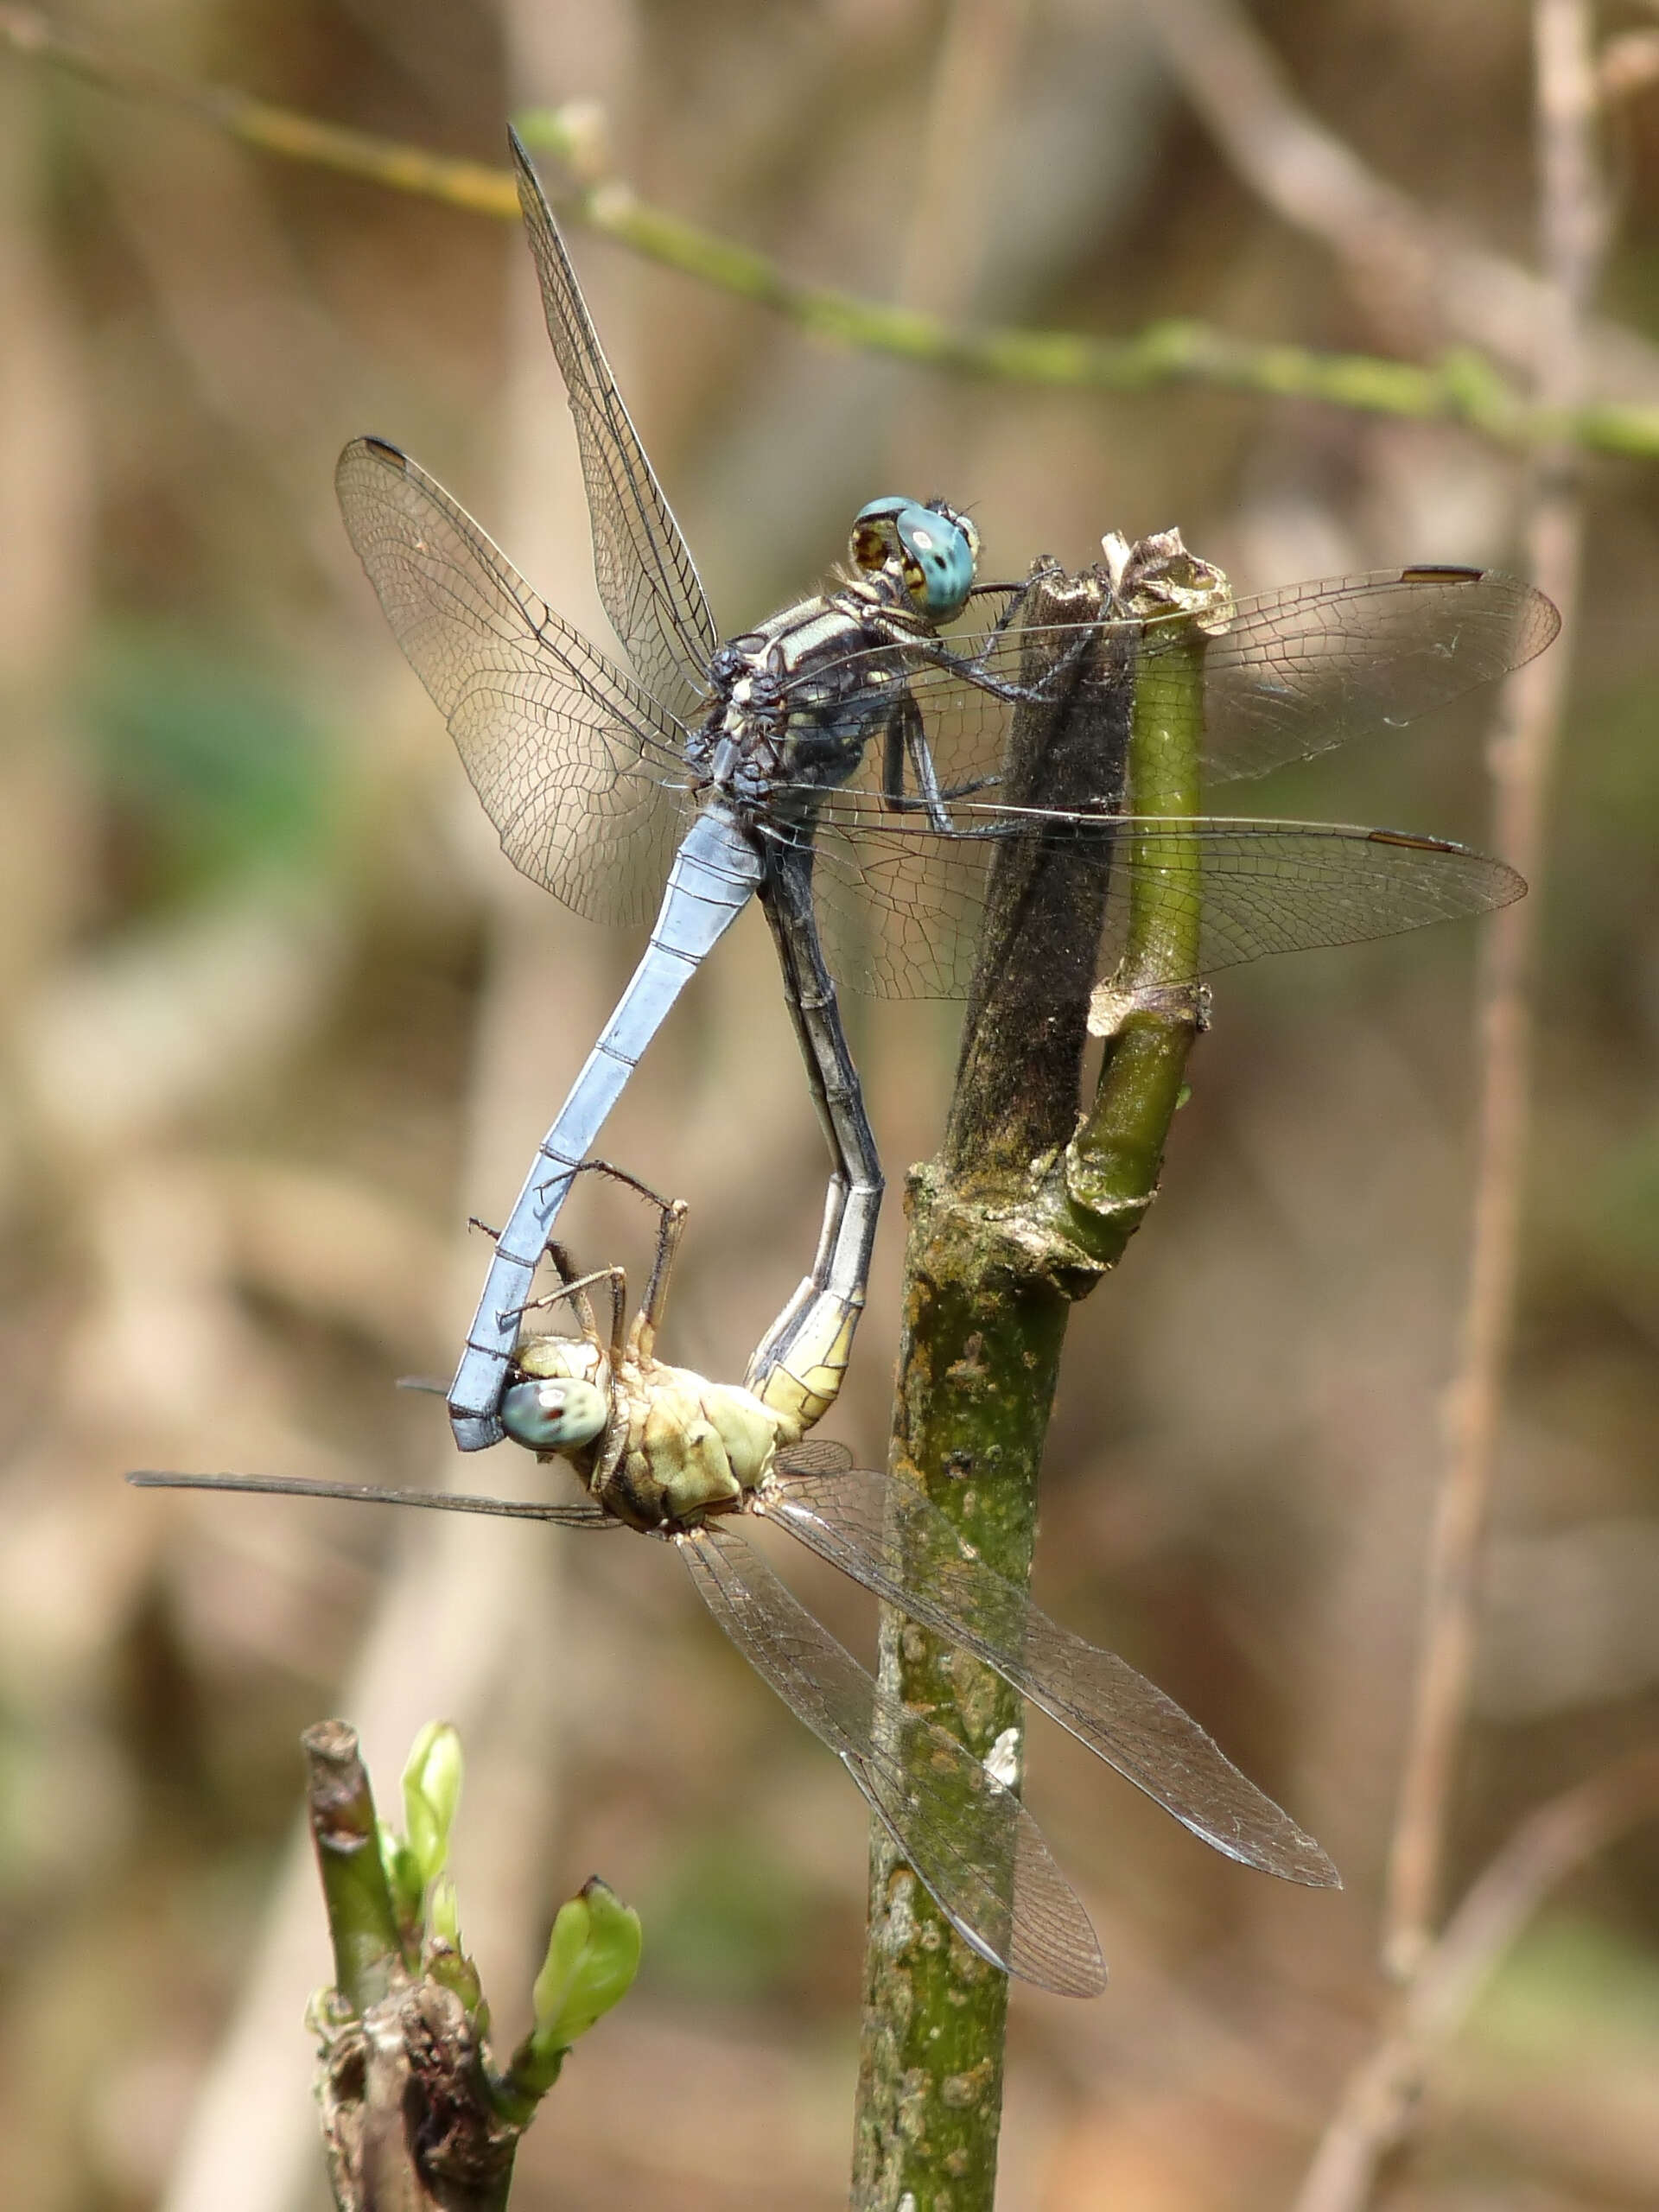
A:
(692, 1447)
(796, 701)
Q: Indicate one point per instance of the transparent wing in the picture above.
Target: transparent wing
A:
(816, 1455)
(647, 582)
(589, 1515)
(895, 1542)
(575, 766)
(971, 1841)
(900, 905)
(1304, 669)
(1294, 673)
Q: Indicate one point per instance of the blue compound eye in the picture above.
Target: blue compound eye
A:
(944, 546)
(936, 548)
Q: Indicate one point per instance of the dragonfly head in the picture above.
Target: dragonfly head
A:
(562, 1402)
(934, 548)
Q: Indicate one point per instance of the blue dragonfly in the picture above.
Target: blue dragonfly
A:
(842, 762)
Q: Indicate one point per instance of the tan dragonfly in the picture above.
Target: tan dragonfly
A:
(663, 1450)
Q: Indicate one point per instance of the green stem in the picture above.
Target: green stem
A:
(1113, 1162)
(1000, 1244)
(529, 2076)
(362, 1921)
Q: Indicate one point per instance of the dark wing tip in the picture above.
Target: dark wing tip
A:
(380, 450)
(1415, 844)
(1503, 884)
(1537, 618)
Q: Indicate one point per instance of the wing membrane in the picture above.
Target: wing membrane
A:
(588, 1516)
(647, 582)
(900, 905)
(971, 1841)
(1304, 669)
(893, 1540)
(574, 763)
(1294, 673)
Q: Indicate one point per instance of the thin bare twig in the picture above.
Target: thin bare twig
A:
(1459, 387)
(1442, 1977)
(1377, 2105)
(1574, 224)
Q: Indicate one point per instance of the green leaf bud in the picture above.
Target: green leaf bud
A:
(593, 1956)
(431, 1791)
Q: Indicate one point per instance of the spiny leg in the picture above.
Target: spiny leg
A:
(669, 1230)
(905, 735)
(670, 1227)
(575, 1288)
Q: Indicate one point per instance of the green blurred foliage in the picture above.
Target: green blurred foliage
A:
(211, 765)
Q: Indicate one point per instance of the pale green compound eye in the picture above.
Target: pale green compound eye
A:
(553, 1416)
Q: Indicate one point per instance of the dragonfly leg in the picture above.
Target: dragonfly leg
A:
(797, 1368)
(575, 1288)
(905, 737)
(626, 1175)
(977, 670)
(669, 1230)
(671, 1213)
(670, 1227)
(975, 667)
(1016, 606)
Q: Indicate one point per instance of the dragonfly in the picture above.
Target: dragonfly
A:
(841, 764)
(662, 1450)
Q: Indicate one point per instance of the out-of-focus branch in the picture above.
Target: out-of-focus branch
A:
(1377, 2108)
(1574, 221)
(257, 123)
(1442, 1976)
(1628, 65)
(1458, 387)
(1417, 272)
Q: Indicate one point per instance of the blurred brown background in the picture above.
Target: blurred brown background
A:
(279, 1016)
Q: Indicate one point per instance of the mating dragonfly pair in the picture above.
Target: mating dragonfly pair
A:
(841, 763)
